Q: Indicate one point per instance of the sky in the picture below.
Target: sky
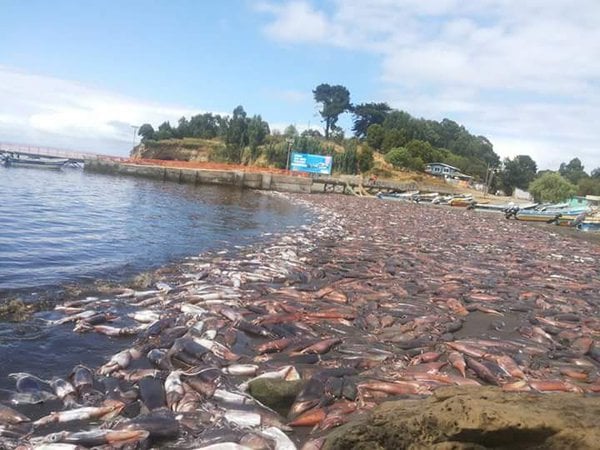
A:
(524, 73)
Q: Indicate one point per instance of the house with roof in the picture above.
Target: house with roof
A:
(589, 201)
(446, 171)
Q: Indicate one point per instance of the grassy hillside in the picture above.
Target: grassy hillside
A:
(211, 150)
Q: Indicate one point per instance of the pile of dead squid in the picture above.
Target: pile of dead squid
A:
(373, 301)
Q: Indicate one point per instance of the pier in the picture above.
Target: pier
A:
(50, 152)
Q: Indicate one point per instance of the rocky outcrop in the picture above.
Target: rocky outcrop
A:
(477, 418)
(197, 150)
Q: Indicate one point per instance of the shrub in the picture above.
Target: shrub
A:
(365, 159)
(276, 154)
(551, 187)
(401, 157)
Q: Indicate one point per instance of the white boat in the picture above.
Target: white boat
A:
(399, 196)
(34, 161)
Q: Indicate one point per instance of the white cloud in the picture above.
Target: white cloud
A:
(47, 111)
(298, 21)
(517, 72)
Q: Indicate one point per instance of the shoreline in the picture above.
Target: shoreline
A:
(389, 282)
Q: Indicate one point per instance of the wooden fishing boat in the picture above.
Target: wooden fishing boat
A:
(559, 214)
(399, 196)
(426, 198)
(461, 201)
(501, 208)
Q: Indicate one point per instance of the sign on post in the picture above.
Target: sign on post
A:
(305, 162)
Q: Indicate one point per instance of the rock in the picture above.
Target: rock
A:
(276, 394)
(144, 280)
(476, 418)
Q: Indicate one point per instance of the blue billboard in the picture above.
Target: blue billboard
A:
(305, 162)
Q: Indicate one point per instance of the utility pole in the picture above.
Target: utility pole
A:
(489, 176)
(135, 128)
(289, 142)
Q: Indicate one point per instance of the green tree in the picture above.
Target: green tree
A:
(573, 171)
(164, 131)
(223, 123)
(365, 159)
(375, 135)
(393, 138)
(291, 132)
(237, 133)
(551, 187)
(258, 130)
(205, 126)
(367, 114)
(595, 173)
(423, 150)
(183, 129)
(399, 120)
(517, 173)
(276, 154)
(449, 131)
(588, 186)
(347, 161)
(146, 131)
(312, 133)
(337, 135)
(544, 172)
(334, 100)
(401, 157)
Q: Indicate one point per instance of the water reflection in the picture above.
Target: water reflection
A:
(70, 225)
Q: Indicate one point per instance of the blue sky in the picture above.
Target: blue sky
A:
(523, 73)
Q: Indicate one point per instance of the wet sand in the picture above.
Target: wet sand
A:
(380, 300)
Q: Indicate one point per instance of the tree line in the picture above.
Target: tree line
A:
(404, 141)
(409, 142)
(547, 185)
(570, 179)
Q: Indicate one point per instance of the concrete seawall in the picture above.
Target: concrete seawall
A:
(258, 180)
(252, 180)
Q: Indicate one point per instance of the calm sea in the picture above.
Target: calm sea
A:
(73, 226)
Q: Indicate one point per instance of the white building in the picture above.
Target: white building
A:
(446, 171)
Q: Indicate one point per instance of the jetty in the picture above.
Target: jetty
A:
(75, 156)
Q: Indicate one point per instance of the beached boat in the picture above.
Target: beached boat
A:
(399, 196)
(461, 201)
(501, 208)
(426, 198)
(33, 161)
(561, 214)
(442, 199)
